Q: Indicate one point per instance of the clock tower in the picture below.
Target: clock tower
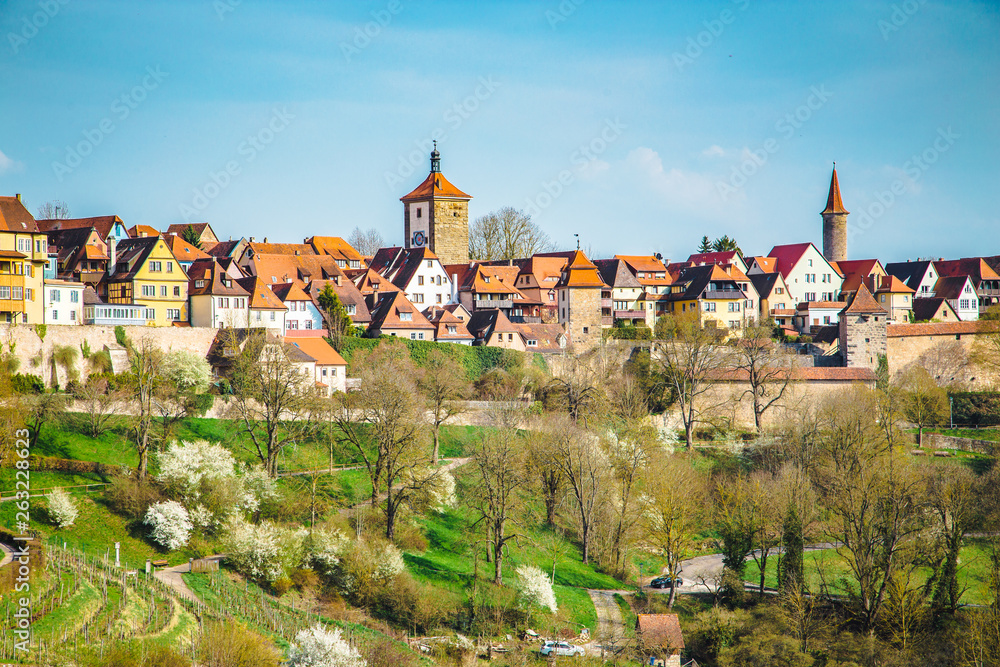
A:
(436, 216)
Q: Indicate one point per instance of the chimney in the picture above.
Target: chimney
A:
(18, 195)
(454, 288)
(112, 255)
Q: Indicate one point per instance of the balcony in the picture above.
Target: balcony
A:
(724, 294)
(525, 319)
(486, 304)
(606, 303)
(630, 315)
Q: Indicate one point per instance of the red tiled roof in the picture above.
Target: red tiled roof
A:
(727, 257)
(335, 247)
(182, 250)
(435, 185)
(581, 272)
(102, 223)
(833, 201)
(14, 217)
(787, 256)
(809, 305)
(765, 264)
(806, 374)
(936, 329)
(660, 630)
(890, 284)
(318, 349)
(142, 230)
(864, 302)
(261, 296)
(974, 267)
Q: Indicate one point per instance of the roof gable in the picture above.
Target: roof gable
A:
(863, 302)
(435, 185)
(14, 217)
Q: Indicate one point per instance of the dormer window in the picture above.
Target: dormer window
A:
(405, 316)
(199, 284)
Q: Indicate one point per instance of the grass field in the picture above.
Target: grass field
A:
(826, 566)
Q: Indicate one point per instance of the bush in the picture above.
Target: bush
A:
(282, 585)
(262, 552)
(25, 383)
(232, 645)
(535, 588)
(170, 523)
(62, 509)
(368, 568)
(980, 408)
(139, 655)
(319, 647)
(303, 578)
(130, 497)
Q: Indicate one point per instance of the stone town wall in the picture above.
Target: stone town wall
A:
(947, 357)
(938, 441)
(27, 344)
(450, 231)
(727, 406)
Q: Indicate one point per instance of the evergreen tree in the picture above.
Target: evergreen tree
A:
(338, 322)
(790, 563)
(706, 245)
(191, 236)
(726, 244)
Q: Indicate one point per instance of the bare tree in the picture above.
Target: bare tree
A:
(272, 397)
(690, 355)
(955, 500)
(676, 492)
(500, 478)
(442, 384)
(756, 357)
(874, 496)
(366, 241)
(382, 423)
(145, 361)
(584, 467)
(53, 210)
(506, 234)
(100, 403)
(628, 447)
(924, 402)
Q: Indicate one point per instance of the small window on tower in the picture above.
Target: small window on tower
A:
(420, 212)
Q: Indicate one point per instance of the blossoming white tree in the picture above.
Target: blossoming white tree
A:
(253, 550)
(319, 647)
(535, 587)
(170, 523)
(62, 509)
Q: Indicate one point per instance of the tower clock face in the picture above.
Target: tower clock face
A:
(419, 225)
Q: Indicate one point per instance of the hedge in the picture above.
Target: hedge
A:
(476, 360)
(975, 408)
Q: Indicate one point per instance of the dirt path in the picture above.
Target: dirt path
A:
(171, 576)
(610, 625)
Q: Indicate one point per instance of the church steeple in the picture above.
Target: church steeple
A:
(435, 160)
(834, 223)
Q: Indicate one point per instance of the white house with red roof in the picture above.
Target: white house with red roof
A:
(302, 315)
(417, 272)
(808, 275)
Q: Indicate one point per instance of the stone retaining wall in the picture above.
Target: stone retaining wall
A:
(938, 441)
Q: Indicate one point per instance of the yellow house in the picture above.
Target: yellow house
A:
(713, 294)
(143, 271)
(23, 255)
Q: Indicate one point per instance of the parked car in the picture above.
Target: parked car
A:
(560, 648)
(666, 581)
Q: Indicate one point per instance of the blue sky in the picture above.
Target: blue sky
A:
(640, 126)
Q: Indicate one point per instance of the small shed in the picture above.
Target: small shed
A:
(660, 639)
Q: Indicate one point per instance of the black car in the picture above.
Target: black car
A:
(666, 582)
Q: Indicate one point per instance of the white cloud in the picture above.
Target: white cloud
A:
(714, 151)
(691, 191)
(896, 174)
(8, 165)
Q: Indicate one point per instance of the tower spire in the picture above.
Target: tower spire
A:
(834, 204)
(435, 159)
